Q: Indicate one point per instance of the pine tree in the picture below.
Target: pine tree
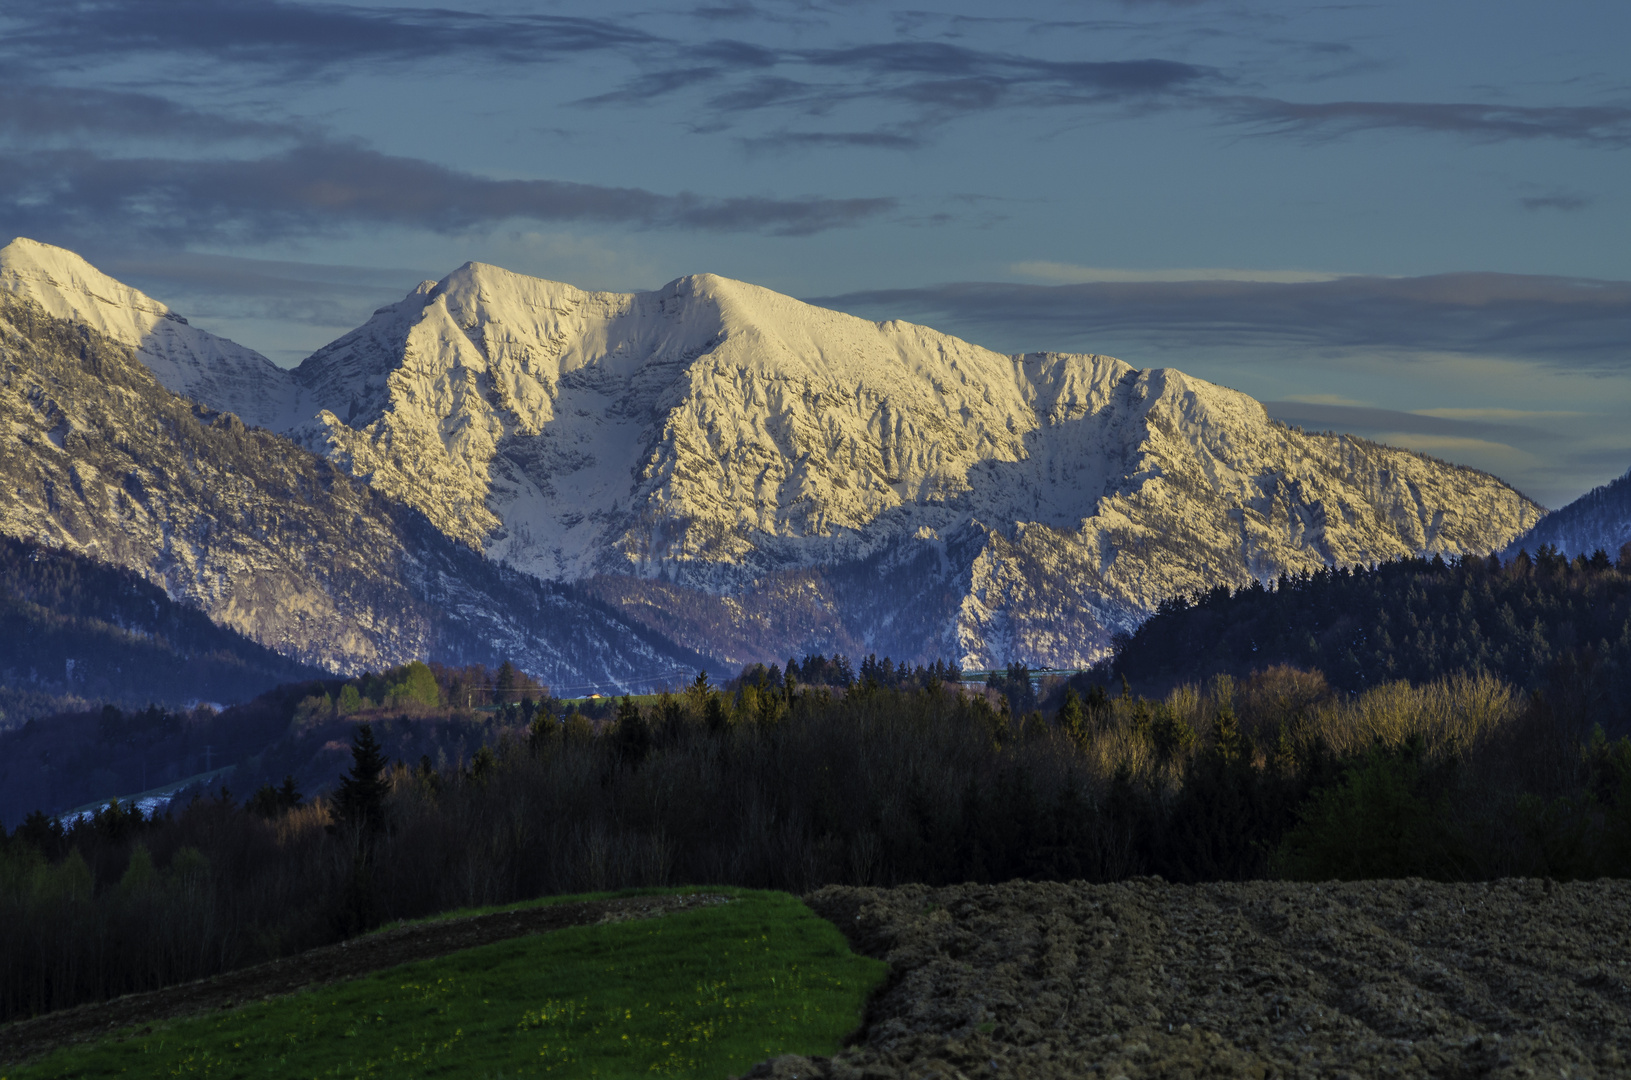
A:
(361, 796)
(504, 682)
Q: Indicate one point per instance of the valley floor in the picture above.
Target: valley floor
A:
(1146, 979)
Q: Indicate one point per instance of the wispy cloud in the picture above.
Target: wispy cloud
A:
(1555, 201)
(926, 82)
(1599, 125)
(34, 112)
(1499, 414)
(316, 187)
(1369, 419)
(936, 79)
(1071, 274)
(877, 140)
(1576, 322)
(295, 37)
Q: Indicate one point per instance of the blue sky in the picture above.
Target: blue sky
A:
(1407, 220)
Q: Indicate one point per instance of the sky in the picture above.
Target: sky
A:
(1406, 220)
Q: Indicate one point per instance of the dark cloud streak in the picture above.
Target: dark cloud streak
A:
(938, 80)
(34, 112)
(935, 81)
(1599, 125)
(884, 140)
(293, 36)
(320, 187)
(1563, 321)
(1555, 202)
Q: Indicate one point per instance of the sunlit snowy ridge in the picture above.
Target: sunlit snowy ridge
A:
(764, 475)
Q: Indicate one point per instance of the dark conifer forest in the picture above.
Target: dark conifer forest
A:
(1530, 621)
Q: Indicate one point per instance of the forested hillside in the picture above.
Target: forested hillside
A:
(72, 626)
(1601, 518)
(1529, 620)
(296, 730)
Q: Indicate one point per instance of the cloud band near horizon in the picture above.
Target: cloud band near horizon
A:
(1576, 322)
(318, 186)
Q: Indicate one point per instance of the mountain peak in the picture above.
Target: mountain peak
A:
(186, 360)
(68, 287)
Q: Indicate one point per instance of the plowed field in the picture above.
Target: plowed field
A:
(1146, 979)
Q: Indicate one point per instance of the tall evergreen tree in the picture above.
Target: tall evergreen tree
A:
(633, 733)
(361, 795)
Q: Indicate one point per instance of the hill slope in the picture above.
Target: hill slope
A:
(1599, 520)
(71, 625)
(1530, 623)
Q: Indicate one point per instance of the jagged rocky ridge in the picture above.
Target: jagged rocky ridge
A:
(1599, 520)
(262, 535)
(756, 476)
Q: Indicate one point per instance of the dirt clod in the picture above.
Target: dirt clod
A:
(1261, 979)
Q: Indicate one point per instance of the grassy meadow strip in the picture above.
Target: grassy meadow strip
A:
(705, 992)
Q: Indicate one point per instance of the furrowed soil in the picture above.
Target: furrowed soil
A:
(27, 1039)
(1513, 978)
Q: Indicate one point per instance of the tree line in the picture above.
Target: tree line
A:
(1414, 619)
(793, 786)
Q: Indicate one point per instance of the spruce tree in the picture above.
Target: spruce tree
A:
(361, 797)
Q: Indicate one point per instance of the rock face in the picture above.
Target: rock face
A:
(757, 476)
(262, 535)
(1599, 520)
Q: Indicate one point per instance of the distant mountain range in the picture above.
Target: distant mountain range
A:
(502, 463)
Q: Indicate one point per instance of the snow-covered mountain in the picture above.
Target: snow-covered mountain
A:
(714, 437)
(186, 360)
(1599, 520)
(264, 536)
(757, 476)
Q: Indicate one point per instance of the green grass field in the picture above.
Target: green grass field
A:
(700, 993)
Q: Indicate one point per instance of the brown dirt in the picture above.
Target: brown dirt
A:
(26, 1039)
(1261, 979)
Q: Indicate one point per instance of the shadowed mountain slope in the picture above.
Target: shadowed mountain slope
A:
(1599, 520)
